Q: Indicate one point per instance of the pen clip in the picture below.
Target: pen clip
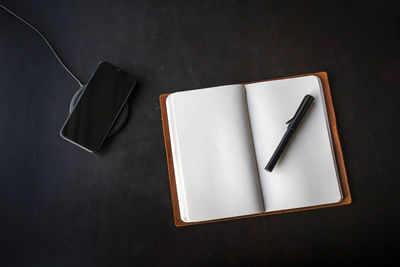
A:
(289, 121)
(305, 103)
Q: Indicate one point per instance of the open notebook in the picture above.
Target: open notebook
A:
(221, 138)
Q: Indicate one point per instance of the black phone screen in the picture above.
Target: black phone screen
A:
(98, 107)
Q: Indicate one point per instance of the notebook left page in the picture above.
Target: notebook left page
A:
(213, 154)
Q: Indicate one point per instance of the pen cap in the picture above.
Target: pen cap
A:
(301, 111)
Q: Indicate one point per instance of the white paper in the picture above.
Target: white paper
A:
(306, 173)
(213, 154)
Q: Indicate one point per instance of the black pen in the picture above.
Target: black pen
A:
(292, 126)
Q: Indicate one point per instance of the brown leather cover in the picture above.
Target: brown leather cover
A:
(336, 144)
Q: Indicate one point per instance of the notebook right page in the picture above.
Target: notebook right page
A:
(306, 174)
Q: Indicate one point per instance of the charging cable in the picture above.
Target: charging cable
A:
(46, 41)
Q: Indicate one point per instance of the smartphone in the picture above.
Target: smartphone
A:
(98, 107)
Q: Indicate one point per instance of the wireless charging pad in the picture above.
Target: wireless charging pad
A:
(119, 122)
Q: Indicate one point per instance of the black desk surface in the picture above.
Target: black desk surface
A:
(61, 206)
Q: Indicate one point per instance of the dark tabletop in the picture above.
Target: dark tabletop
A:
(62, 206)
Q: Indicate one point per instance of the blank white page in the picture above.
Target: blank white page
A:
(306, 173)
(213, 154)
